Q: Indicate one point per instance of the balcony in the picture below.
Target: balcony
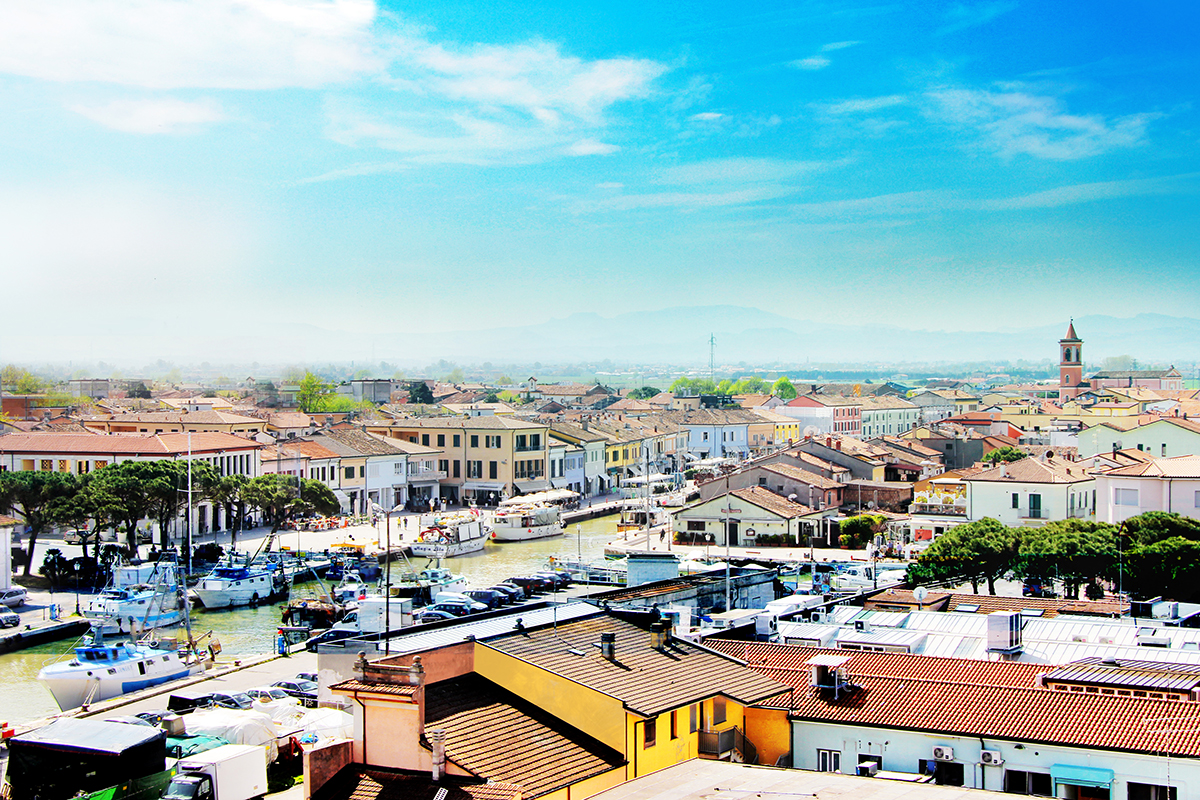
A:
(529, 448)
(727, 745)
(426, 474)
(1033, 513)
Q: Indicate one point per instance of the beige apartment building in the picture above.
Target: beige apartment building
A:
(485, 458)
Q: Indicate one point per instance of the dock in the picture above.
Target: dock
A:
(52, 631)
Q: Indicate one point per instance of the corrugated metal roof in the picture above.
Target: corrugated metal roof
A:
(482, 628)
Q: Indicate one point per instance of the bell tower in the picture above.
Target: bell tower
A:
(1070, 364)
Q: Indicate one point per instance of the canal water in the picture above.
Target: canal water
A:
(251, 631)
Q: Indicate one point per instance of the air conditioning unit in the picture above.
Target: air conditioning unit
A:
(860, 625)
(941, 753)
(817, 616)
(991, 757)
(867, 769)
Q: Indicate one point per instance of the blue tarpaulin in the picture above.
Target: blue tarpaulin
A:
(1082, 776)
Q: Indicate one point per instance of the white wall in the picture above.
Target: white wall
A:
(1177, 495)
(903, 750)
(1158, 439)
(994, 499)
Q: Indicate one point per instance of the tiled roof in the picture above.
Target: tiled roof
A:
(391, 689)
(576, 432)
(647, 681)
(802, 475)
(1177, 467)
(479, 717)
(712, 416)
(489, 422)
(787, 663)
(987, 603)
(769, 501)
(356, 782)
(1035, 470)
(163, 444)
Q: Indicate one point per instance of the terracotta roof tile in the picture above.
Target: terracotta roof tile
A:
(392, 689)
(768, 500)
(357, 782)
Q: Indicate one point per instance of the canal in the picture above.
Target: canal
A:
(251, 631)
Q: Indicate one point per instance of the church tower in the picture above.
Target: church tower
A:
(1070, 365)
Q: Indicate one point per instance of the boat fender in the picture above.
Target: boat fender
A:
(493, 534)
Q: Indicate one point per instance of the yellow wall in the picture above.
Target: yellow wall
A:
(770, 731)
(588, 786)
(592, 712)
(666, 751)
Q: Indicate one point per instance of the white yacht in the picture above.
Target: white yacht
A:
(101, 670)
(138, 598)
(449, 535)
(425, 584)
(517, 522)
(230, 585)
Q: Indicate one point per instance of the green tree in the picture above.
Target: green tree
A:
(166, 486)
(284, 497)
(491, 397)
(228, 492)
(55, 568)
(1074, 551)
(420, 394)
(80, 512)
(117, 492)
(42, 499)
(693, 386)
(1167, 567)
(859, 531)
(978, 552)
(750, 385)
(21, 381)
(313, 393)
(140, 391)
(783, 388)
(1155, 526)
(643, 393)
(1006, 454)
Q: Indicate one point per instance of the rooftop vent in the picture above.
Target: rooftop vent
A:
(608, 646)
(658, 635)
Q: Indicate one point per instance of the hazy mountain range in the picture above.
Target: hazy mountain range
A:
(675, 336)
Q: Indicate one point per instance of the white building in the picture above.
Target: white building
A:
(1032, 491)
(887, 415)
(1161, 484)
(1164, 438)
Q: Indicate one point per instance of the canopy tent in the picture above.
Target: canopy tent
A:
(642, 480)
(548, 496)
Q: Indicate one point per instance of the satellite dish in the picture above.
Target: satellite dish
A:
(870, 504)
(792, 497)
(810, 431)
(920, 593)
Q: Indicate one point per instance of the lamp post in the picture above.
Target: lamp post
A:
(387, 580)
(727, 511)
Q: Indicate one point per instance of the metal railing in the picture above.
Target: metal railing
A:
(729, 744)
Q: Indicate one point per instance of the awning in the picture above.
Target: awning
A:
(1095, 777)
(559, 483)
(531, 486)
(483, 486)
(342, 498)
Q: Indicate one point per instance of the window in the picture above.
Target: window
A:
(674, 724)
(1036, 783)
(492, 470)
(706, 436)
(693, 718)
(47, 465)
(651, 727)
(441, 440)
(945, 773)
(1016, 500)
(397, 468)
(718, 710)
(474, 440)
(1197, 499)
(457, 440)
(535, 441)
(456, 469)
(829, 761)
(1151, 791)
(520, 444)
(444, 465)
(1125, 497)
(349, 473)
(362, 471)
(425, 439)
(695, 525)
(474, 469)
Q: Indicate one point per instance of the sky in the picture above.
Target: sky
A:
(175, 170)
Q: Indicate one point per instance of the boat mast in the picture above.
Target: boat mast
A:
(189, 508)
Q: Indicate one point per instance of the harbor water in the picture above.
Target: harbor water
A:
(251, 631)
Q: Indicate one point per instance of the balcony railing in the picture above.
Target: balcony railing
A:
(730, 744)
(426, 474)
(1034, 513)
(529, 448)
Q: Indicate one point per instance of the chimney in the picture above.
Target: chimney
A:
(658, 635)
(608, 646)
(437, 741)
(839, 444)
(416, 672)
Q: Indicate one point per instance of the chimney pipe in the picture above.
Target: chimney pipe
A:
(608, 646)
(658, 635)
(437, 740)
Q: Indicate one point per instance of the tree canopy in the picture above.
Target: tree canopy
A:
(1007, 454)
(643, 392)
(313, 393)
(284, 497)
(783, 389)
(43, 499)
(979, 551)
(420, 393)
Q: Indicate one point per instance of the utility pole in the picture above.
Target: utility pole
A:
(712, 359)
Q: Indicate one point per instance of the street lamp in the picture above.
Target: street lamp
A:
(387, 580)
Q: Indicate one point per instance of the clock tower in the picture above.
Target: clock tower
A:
(1070, 365)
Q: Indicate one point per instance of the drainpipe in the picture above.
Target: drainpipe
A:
(364, 719)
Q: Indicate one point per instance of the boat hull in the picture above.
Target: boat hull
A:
(73, 686)
(449, 550)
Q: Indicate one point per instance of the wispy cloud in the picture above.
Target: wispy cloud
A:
(832, 46)
(1012, 122)
(736, 171)
(811, 63)
(707, 116)
(864, 105)
(1092, 192)
(898, 204)
(164, 115)
(962, 15)
(591, 147)
(357, 171)
(687, 201)
(231, 44)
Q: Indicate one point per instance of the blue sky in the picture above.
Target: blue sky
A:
(190, 167)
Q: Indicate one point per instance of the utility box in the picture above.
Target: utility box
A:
(1004, 632)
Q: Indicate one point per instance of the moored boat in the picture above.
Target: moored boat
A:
(138, 598)
(232, 584)
(449, 535)
(520, 522)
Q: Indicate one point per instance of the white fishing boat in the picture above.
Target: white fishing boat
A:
(449, 535)
(231, 584)
(518, 522)
(425, 584)
(139, 597)
(102, 670)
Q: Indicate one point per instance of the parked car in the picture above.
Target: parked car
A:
(269, 699)
(14, 597)
(512, 594)
(558, 579)
(233, 700)
(489, 597)
(9, 618)
(307, 676)
(304, 691)
(532, 584)
(427, 615)
(325, 637)
(80, 537)
(518, 592)
(187, 700)
(459, 608)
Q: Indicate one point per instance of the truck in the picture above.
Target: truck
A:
(371, 616)
(229, 772)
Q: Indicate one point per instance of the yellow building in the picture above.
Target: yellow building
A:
(592, 702)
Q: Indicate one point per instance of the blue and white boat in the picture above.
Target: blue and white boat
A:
(139, 598)
(101, 670)
(231, 584)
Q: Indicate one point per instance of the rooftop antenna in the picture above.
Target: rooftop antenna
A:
(712, 355)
